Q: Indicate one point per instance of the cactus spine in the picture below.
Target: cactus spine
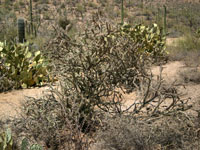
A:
(165, 20)
(122, 12)
(21, 30)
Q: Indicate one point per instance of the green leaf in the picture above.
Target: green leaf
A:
(37, 58)
(13, 70)
(33, 64)
(24, 86)
(28, 55)
(36, 147)
(41, 60)
(7, 64)
(37, 53)
(24, 144)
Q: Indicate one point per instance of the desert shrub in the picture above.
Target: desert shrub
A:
(190, 75)
(81, 9)
(105, 59)
(125, 132)
(8, 25)
(96, 68)
(21, 3)
(62, 6)
(189, 43)
(186, 49)
(93, 68)
(63, 22)
(21, 66)
(93, 5)
(62, 119)
(198, 33)
(5, 83)
(108, 60)
(16, 6)
(55, 3)
(71, 124)
(43, 1)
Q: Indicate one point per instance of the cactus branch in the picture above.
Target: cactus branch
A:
(31, 16)
(165, 20)
(122, 12)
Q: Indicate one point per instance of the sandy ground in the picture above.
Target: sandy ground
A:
(10, 102)
(172, 41)
(170, 71)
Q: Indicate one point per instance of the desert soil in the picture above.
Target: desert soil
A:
(11, 101)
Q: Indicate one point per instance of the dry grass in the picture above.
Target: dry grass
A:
(190, 75)
(172, 132)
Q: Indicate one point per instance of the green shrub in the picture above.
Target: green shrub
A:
(185, 48)
(188, 43)
(25, 145)
(22, 66)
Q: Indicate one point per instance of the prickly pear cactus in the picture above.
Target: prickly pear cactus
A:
(150, 39)
(22, 66)
(6, 142)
